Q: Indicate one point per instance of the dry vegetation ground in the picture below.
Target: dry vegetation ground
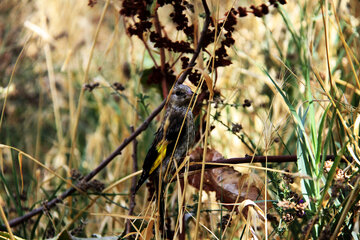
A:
(292, 86)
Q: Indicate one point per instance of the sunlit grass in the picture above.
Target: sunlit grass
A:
(293, 86)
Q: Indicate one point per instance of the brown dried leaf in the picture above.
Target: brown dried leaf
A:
(148, 231)
(229, 185)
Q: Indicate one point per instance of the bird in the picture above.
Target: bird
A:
(158, 162)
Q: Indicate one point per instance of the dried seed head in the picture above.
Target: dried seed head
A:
(242, 11)
(236, 127)
(118, 86)
(327, 166)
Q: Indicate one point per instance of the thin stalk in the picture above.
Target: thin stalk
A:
(85, 80)
(3, 216)
(12, 77)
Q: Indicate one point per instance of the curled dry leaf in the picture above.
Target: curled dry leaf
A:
(229, 185)
(147, 233)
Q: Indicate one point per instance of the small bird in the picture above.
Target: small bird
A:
(157, 161)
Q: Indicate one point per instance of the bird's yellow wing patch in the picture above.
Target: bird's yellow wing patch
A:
(161, 149)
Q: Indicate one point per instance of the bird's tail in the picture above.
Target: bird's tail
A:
(140, 182)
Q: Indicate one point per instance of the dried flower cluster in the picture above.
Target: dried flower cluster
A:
(118, 86)
(247, 103)
(155, 74)
(236, 127)
(340, 179)
(137, 9)
(90, 86)
(327, 165)
(92, 3)
(224, 221)
(94, 185)
(288, 178)
(140, 21)
(259, 11)
(292, 209)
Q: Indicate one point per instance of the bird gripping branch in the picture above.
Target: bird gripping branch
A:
(158, 158)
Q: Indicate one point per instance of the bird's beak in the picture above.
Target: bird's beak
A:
(189, 92)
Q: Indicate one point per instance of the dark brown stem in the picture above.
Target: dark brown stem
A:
(147, 47)
(50, 204)
(176, 60)
(200, 43)
(251, 159)
(164, 85)
(149, 51)
(133, 184)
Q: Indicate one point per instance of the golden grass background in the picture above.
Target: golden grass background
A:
(45, 93)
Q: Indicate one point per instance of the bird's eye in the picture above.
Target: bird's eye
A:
(178, 93)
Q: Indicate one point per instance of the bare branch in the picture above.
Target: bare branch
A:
(254, 159)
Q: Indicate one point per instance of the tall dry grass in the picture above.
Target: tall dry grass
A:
(298, 67)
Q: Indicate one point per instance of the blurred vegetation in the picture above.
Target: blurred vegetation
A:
(70, 92)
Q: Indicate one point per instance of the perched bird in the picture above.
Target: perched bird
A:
(157, 161)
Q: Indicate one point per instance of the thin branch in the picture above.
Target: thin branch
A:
(102, 165)
(177, 59)
(162, 53)
(149, 51)
(254, 159)
(50, 204)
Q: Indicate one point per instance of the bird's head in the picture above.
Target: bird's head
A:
(180, 96)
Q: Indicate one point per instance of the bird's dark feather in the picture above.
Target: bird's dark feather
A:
(171, 136)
